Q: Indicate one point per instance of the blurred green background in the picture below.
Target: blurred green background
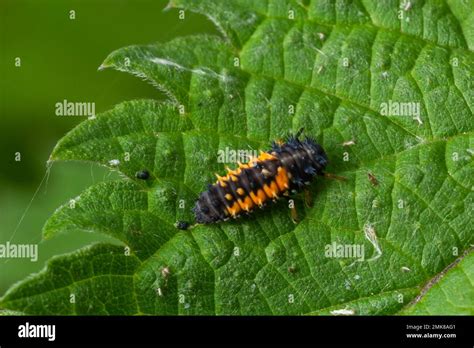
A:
(59, 60)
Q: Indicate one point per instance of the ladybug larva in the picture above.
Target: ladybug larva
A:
(286, 169)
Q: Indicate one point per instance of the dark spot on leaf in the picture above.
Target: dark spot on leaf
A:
(182, 225)
(142, 175)
(373, 180)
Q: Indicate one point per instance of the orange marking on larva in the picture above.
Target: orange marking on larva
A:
(240, 191)
(258, 198)
(243, 165)
(246, 204)
(252, 161)
(272, 190)
(221, 180)
(255, 199)
(282, 179)
(234, 209)
(261, 194)
(231, 172)
(228, 196)
(265, 156)
(233, 178)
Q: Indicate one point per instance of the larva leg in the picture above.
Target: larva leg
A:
(308, 198)
(293, 212)
(334, 176)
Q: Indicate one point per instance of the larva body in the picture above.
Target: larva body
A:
(285, 169)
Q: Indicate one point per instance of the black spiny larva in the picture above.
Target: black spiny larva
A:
(283, 170)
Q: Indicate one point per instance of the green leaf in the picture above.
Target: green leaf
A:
(103, 274)
(452, 294)
(279, 66)
(10, 313)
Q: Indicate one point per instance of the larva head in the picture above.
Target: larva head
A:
(316, 152)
